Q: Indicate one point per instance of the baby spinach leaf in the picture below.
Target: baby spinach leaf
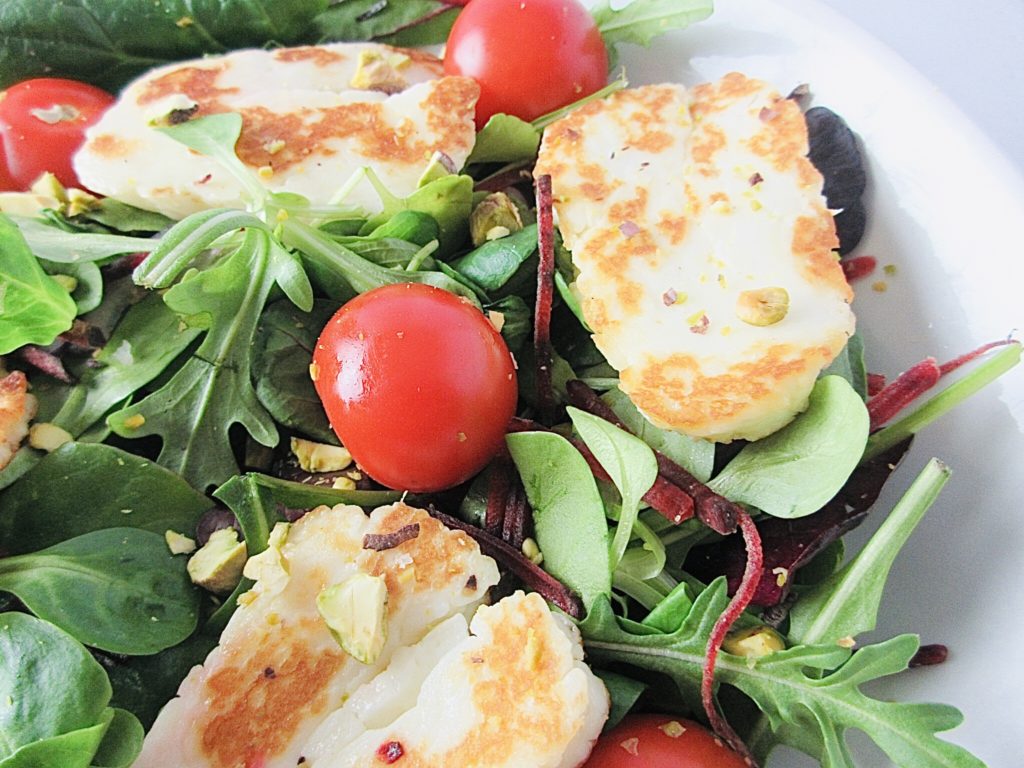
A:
(120, 217)
(493, 264)
(136, 492)
(695, 456)
(68, 750)
(516, 321)
(810, 694)
(49, 683)
(629, 462)
(213, 390)
(122, 742)
(846, 604)
(505, 139)
(796, 470)
(282, 354)
(624, 693)
(131, 595)
(640, 21)
(568, 515)
(109, 42)
(851, 366)
(372, 19)
(34, 308)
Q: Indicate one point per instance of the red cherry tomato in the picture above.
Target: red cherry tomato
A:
(42, 125)
(661, 741)
(529, 56)
(417, 384)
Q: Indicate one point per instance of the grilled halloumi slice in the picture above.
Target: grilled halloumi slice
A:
(512, 686)
(278, 671)
(704, 250)
(17, 409)
(312, 116)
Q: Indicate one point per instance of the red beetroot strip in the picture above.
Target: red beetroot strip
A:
(917, 380)
(498, 484)
(531, 574)
(738, 604)
(545, 297)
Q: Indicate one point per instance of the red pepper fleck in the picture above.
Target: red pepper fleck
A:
(756, 179)
(668, 298)
(858, 267)
(390, 752)
(701, 326)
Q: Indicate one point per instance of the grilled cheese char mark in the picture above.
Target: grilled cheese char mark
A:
(312, 117)
(279, 687)
(705, 251)
(17, 409)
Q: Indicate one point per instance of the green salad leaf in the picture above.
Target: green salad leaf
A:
(505, 139)
(34, 308)
(63, 247)
(131, 595)
(810, 694)
(796, 470)
(495, 263)
(372, 19)
(640, 21)
(568, 514)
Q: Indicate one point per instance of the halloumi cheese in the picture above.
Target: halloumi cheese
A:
(17, 409)
(312, 117)
(705, 251)
(507, 687)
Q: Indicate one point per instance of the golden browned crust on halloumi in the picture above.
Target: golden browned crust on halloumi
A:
(678, 204)
(17, 409)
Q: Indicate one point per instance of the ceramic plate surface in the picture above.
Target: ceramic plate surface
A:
(946, 210)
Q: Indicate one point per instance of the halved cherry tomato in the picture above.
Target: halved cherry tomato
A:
(417, 384)
(42, 125)
(529, 56)
(661, 741)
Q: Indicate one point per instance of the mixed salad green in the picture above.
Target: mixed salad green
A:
(172, 359)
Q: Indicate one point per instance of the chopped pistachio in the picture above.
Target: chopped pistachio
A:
(494, 211)
(356, 612)
(377, 71)
(67, 282)
(270, 567)
(344, 484)
(218, 564)
(179, 543)
(320, 457)
(532, 552)
(80, 201)
(48, 437)
(754, 642)
(763, 306)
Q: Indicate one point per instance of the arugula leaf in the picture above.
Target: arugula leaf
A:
(568, 514)
(50, 684)
(796, 470)
(88, 290)
(846, 604)
(449, 200)
(641, 21)
(213, 390)
(810, 694)
(695, 456)
(34, 308)
(505, 139)
(63, 247)
(108, 42)
(134, 492)
(629, 462)
(131, 595)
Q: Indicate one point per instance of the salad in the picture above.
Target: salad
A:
(185, 382)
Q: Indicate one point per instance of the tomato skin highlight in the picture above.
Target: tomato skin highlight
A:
(42, 125)
(529, 57)
(661, 741)
(417, 384)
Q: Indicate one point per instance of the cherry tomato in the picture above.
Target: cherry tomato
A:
(661, 741)
(42, 125)
(529, 56)
(417, 384)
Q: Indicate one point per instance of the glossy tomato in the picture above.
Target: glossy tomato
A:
(42, 125)
(529, 56)
(417, 384)
(661, 741)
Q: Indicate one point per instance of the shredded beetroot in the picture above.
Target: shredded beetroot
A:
(509, 177)
(545, 296)
(512, 559)
(929, 655)
(498, 484)
(955, 363)
(858, 267)
(45, 361)
(383, 541)
(876, 383)
(903, 390)
(514, 527)
(738, 604)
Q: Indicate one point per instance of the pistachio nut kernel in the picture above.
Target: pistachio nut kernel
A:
(763, 306)
(320, 457)
(217, 565)
(495, 212)
(754, 642)
(356, 612)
